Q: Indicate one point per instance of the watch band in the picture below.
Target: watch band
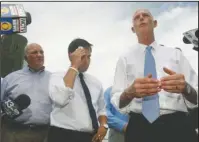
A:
(105, 126)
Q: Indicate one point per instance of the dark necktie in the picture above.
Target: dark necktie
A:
(89, 102)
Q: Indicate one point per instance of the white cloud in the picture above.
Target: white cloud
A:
(107, 26)
(175, 22)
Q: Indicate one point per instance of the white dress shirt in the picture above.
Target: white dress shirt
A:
(131, 66)
(70, 109)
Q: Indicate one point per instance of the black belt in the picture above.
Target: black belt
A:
(55, 128)
(17, 125)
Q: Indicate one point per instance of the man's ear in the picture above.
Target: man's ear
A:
(69, 55)
(155, 23)
(133, 30)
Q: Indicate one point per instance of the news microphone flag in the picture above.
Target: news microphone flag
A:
(13, 19)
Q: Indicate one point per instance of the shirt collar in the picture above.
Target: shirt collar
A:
(143, 47)
(27, 68)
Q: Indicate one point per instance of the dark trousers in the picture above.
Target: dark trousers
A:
(22, 133)
(63, 135)
(174, 127)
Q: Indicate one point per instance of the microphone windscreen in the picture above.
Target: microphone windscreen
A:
(28, 18)
(185, 40)
(196, 33)
(23, 101)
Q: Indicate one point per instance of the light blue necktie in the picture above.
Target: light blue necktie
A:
(150, 104)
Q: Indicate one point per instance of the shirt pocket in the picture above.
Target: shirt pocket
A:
(171, 64)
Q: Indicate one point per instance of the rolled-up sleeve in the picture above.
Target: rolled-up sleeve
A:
(114, 121)
(190, 77)
(59, 93)
(101, 104)
(119, 85)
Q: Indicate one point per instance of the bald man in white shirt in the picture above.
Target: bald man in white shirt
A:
(156, 86)
(79, 113)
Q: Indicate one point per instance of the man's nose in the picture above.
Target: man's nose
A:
(141, 17)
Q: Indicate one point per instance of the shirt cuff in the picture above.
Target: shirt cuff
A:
(62, 96)
(102, 113)
(115, 100)
(190, 89)
(189, 104)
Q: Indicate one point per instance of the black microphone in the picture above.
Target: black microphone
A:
(196, 33)
(191, 37)
(13, 108)
(186, 41)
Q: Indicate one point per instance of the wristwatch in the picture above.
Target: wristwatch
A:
(105, 126)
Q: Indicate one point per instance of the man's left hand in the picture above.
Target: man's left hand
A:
(174, 83)
(101, 133)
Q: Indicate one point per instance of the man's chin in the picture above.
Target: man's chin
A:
(41, 65)
(83, 70)
(144, 31)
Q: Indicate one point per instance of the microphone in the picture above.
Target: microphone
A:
(196, 33)
(14, 19)
(13, 108)
(186, 41)
(191, 37)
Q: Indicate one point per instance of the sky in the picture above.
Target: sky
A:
(107, 25)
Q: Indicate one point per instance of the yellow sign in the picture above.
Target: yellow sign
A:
(4, 10)
(6, 26)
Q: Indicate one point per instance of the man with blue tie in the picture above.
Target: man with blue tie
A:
(157, 86)
(117, 122)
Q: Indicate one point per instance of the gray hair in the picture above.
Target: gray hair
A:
(28, 47)
(26, 50)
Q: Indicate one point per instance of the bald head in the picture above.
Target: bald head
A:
(143, 25)
(142, 11)
(34, 55)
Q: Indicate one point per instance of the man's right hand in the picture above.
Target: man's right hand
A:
(76, 57)
(76, 61)
(144, 87)
(140, 88)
